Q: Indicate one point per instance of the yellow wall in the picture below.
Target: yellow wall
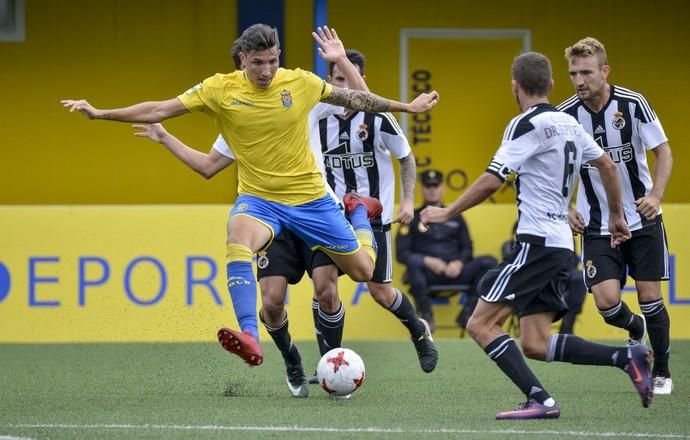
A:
(153, 254)
(117, 52)
(647, 44)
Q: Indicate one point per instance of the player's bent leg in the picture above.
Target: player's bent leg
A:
(330, 318)
(399, 305)
(607, 297)
(245, 236)
(273, 293)
(485, 326)
(295, 377)
(535, 331)
(658, 326)
(359, 266)
(486, 322)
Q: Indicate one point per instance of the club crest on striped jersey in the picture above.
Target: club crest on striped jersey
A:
(362, 132)
(286, 97)
(618, 121)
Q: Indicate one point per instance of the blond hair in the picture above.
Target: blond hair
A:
(587, 47)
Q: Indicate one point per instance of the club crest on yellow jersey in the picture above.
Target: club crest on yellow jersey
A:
(286, 97)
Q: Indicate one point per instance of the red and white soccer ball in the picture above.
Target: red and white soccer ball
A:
(340, 372)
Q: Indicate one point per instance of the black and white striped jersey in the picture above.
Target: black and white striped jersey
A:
(355, 151)
(625, 128)
(545, 148)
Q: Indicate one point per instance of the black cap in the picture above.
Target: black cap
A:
(432, 177)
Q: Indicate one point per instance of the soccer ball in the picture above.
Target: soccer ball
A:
(340, 371)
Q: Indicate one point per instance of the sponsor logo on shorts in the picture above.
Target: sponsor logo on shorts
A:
(336, 247)
(591, 269)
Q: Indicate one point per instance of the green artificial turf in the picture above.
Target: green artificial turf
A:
(170, 391)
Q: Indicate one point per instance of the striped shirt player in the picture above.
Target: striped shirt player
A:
(626, 128)
(545, 148)
(354, 152)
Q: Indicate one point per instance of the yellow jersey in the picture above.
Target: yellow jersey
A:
(267, 129)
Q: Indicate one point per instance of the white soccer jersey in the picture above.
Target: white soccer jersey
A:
(545, 148)
(625, 128)
(356, 155)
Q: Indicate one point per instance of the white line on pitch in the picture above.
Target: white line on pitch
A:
(549, 432)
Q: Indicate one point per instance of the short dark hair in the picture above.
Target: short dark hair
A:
(235, 50)
(259, 37)
(356, 57)
(532, 71)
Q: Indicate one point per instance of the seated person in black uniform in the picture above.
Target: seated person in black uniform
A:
(576, 290)
(439, 253)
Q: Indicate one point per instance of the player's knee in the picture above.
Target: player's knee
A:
(327, 296)
(475, 327)
(648, 295)
(533, 349)
(362, 273)
(272, 306)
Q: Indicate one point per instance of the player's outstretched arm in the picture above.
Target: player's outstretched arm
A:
(149, 112)
(332, 50)
(618, 226)
(481, 189)
(362, 101)
(208, 165)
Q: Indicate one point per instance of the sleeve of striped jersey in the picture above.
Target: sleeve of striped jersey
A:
(511, 155)
(223, 148)
(203, 97)
(392, 137)
(517, 128)
(652, 134)
(323, 110)
(590, 149)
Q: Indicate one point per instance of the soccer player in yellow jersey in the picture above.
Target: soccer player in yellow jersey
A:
(262, 112)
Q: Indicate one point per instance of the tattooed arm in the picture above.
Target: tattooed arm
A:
(360, 100)
(408, 175)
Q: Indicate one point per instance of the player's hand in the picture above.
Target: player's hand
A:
(405, 212)
(423, 102)
(436, 265)
(618, 228)
(434, 214)
(454, 269)
(155, 132)
(82, 106)
(576, 221)
(330, 47)
(648, 206)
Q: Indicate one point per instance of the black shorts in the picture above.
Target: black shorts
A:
(383, 271)
(531, 279)
(289, 256)
(644, 257)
